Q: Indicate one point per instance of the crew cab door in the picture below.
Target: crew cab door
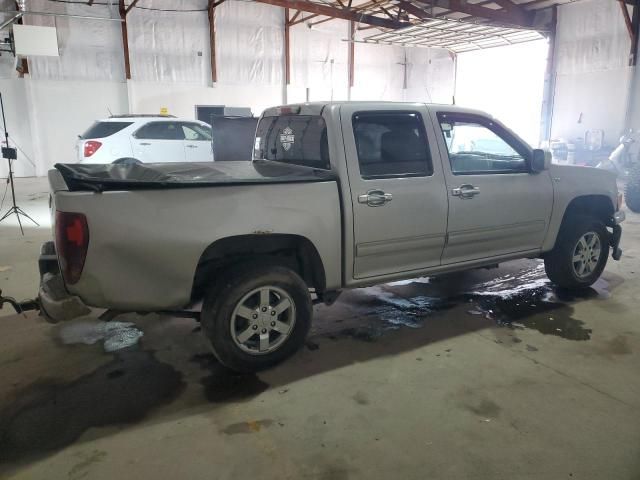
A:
(497, 206)
(397, 189)
(157, 142)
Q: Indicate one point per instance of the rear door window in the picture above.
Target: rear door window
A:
(294, 139)
(195, 131)
(104, 129)
(160, 131)
(391, 144)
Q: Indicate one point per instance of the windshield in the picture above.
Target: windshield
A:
(293, 139)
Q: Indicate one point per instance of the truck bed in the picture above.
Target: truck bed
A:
(149, 225)
(154, 176)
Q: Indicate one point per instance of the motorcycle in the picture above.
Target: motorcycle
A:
(624, 161)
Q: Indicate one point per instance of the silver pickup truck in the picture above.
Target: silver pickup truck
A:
(338, 195)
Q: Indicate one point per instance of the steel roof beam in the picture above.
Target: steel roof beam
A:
(514, 16)
(333, 12)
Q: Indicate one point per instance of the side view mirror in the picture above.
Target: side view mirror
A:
(540, 160)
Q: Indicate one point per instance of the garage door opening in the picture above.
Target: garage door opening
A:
(507, 82)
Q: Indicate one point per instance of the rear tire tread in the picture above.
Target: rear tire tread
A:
(632, 189)
(221, 299)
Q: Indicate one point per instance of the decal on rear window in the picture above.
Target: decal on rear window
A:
(295, 139)
(287, 138)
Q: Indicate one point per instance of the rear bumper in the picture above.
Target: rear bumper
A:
(56, 304)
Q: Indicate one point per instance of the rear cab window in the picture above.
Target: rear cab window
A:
(104, 129)
(293, 139)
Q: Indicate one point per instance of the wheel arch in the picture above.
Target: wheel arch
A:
(599, 206)
(294, 251)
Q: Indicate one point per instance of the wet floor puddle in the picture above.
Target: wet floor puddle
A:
(49, 416)
(525, 299)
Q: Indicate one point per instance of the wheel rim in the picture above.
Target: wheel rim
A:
(263, 320)
(586, 254)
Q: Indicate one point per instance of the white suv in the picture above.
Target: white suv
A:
(147, 139)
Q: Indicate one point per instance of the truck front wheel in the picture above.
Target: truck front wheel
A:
(257, 317)
(580, 253)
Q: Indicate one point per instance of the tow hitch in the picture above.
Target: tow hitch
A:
(19, 307)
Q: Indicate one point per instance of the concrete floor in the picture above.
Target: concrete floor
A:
(483, 375)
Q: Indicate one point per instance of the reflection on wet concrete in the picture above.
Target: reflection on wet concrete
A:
(49, 416)
(522, 299)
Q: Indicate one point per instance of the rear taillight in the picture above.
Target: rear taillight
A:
(72, 241)
(91, 147)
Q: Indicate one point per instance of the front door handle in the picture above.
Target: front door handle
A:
(191, 146)
(465, 191)
(144, 143)
(375, 198)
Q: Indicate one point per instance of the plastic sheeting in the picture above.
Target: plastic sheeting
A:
(89, 49)
(319, 60)
(403, 74)
(592, 82)
(170, 47)
(173, 47)
(591, 36)
(250, 43)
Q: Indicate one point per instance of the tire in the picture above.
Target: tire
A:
(559, 263)
(632, 189)
(228, 306)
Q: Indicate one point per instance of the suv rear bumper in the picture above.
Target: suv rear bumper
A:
(56, 304)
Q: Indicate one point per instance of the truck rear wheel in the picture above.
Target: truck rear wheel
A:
(632, 189)
(580, 253)
(257, 317)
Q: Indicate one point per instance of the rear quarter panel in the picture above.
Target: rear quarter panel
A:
(145, 245)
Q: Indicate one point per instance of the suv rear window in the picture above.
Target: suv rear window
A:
(294, 139)
(104, 129)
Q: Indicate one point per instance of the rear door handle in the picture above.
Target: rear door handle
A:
(144, 143)
(465, 191)
(375, 198)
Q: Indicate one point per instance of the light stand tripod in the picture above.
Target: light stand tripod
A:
(11, 154)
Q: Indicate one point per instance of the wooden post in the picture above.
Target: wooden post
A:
(125, 39)
(546, 119)
(211, 13)
(287, 53)
(352, 51)
(631, 114)
(635, 26)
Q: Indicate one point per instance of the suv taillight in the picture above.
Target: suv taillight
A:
(91, 147)
(72, 241)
